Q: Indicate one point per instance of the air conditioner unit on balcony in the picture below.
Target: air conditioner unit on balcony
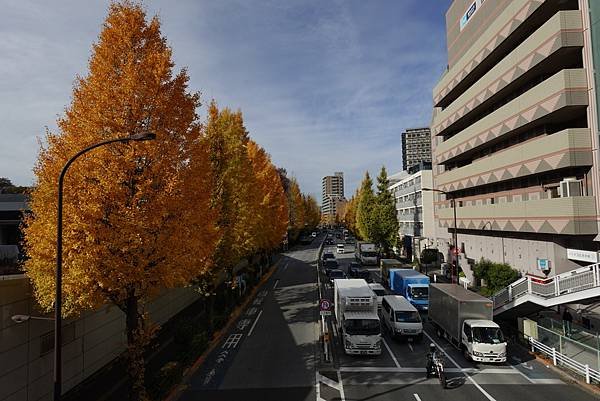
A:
(571, 187)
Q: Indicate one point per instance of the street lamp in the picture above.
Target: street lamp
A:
(142, 136)
(23, 318)
(455, 236)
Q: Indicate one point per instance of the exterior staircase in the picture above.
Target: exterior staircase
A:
(528, 293)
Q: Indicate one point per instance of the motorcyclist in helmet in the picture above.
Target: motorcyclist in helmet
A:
(430, 357)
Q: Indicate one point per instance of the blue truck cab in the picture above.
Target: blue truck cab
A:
(412, 285)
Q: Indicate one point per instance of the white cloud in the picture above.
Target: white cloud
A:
(323, 86)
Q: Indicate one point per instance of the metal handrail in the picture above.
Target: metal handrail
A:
(561, 359)
(579, 279)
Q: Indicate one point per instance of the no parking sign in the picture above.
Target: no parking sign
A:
(325, 307)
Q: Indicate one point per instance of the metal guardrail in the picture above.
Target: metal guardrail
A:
(565, 283)
(563, 360)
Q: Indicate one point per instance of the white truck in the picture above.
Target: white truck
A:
(464, 318)
(366, 253)
(356, 316)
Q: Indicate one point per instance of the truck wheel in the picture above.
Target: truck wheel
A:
(466, 354)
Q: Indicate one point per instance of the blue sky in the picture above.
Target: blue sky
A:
(324, 85)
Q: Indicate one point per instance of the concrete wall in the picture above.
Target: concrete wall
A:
(91, 341)
(521, 254)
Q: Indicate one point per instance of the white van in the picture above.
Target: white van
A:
(340, 248)
(400, 317)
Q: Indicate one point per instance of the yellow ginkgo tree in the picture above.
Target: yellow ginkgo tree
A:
(272, 211)
(137, 218)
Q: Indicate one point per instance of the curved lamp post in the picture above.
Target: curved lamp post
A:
(144, 136)
(455, 234)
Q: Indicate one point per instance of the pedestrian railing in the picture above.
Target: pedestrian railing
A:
(559, 359)
(573, 281)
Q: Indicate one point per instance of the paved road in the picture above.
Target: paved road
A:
(271, 353)
(399, 374)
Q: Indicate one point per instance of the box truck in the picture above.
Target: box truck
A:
(384, 269)
(464, 318)
(366, 253)
(356, 315)
(412, 285)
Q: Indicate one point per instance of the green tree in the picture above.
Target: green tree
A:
(496, 275)
(384, 219)
(366, 204)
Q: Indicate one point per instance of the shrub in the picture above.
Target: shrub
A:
(496, 275)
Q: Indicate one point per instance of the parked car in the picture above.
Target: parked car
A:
(340, 248)
(336, 274)
(329, 241)
(357, 272)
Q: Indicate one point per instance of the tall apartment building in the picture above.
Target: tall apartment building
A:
(416, 147)
(333, 193)
(515, 132)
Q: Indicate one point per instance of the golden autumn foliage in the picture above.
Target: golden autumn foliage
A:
(136, 219)
(312, 212)
(233, 195)
(272, 212)
(348, 215)
(296, 205)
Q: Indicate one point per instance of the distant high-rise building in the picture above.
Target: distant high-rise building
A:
(333, 192)
(416, 147)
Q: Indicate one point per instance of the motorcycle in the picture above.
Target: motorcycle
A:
(437, 365)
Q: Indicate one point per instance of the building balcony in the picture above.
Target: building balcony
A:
(566, 216)
(512, 18)
(544, 52)
(567, 148)
(562, 92)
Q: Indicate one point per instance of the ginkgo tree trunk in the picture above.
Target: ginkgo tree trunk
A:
(137, 218)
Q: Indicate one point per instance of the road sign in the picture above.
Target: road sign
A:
(325, 307)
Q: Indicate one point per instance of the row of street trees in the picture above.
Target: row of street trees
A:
(143, 217)
(372, 216)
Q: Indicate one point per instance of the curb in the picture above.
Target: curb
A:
(218, 336)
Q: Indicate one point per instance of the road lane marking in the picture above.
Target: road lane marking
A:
(376, 369)
(276, 282)
(390, 351)
(485, 393)
(342, 395)
(232, 341)
(326, 380)
(411, 347)
(547, 381)
(417, 397)
(318, 387)
(254, 324)
(242, 324)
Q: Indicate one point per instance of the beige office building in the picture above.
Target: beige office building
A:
(515, 132)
